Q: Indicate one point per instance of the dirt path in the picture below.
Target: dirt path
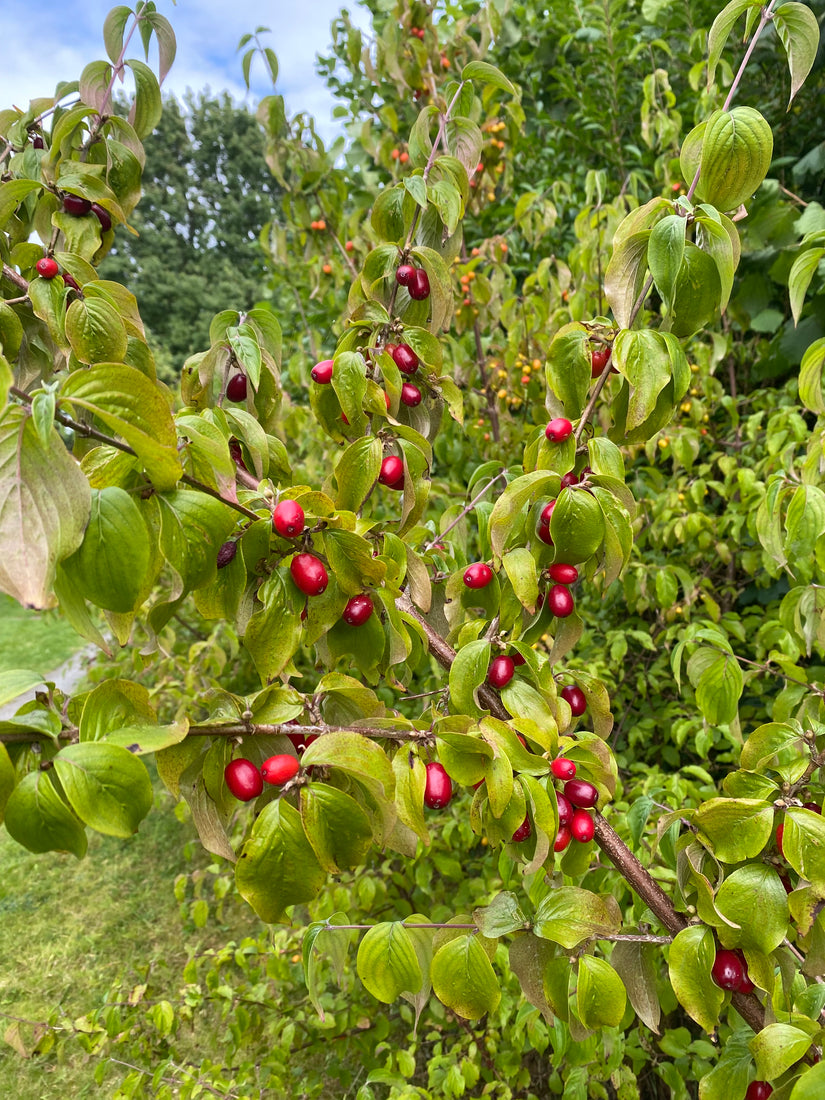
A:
(66, 677)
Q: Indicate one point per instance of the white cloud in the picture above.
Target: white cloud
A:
(46, 41)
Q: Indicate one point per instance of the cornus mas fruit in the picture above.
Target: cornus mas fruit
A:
(226, 553)
(547, 513)
(565, 810)
(780, 832)
(581, 793)
(410, 395)
(302, 741)
(358, 610)
(569, 479)
(501, 672)
(563, 574)
(563, 837)
(560, 601)
(403, 274)
(478, 575)
(759, 1090)
(523, 831)
(278, 770)
(102, 216)
(309, 574)
(419, 285)
(405, 358)
(236, 387)
(727, 970)
(598, 360)
(47, 267)
(562, 768)
(438, 789)
(575, 698)
(322, 372)
(582, 827)
(243, 779)
(288, 518)
(558, 430)
(392, 472)
(76, 206)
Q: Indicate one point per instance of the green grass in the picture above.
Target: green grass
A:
(39, 640)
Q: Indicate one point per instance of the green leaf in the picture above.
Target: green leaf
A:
(143, 740)
(464, 141)
(665, 250)
(417, 187)
(17, 681)
(811, 388)
(7, 779)
(364, 761)
(798, 32)
(624, 275)
(718, 241)
(193, 526)
(273, 633)
(350, 558)
(737, 828)
(803, 844)
(110, 566)
(718, 680)
(776, 1048)
(642, 357)
(569, 368)
(811, 1085)
(113, 705)
(410, 780)
(336, 826)
(512, 500)
(732, 1073)
(720, 30)
(467, 673)
(147, 108)
(753, 898)
(135, 409)
(387, 962)
(600, 995)
(39, 819)
(737, 147)
(44, 494)
(357, 472)
(277, 866)
(520, 567)
(637, 965)
(576, 526)
(463, 978)
(107, 787)
(799, 279)
(501, 916)
(95, 331)
(487, 74)
(570, 915)
(690, 959)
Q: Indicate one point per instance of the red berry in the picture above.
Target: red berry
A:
(243, 779)
(558, 430)
(560, 601)
(38, 142)
(727, 970)
(392, 472)
(410, 395)
(565, 809)
(759, 1090)
(575, 697)
(598, 360)
(70, 281)
(226, 553)
(581, 793)
(562, 838)
(523, 831)
(236, 454)
(301, 742)
(358, 610)
(546, 513)
(278, 770)
(562, 768)
(322, 372)
(103, 216)
(288, 519)
(780, 832)
(403, 274)
(814, 806)
(570, 478)
(478, 575)
(518, 660)
(419, 285)
(564, 574)
(47, 267)
(309, 574)
(501, 672)
(543, 532)
(75, 205)
(582, 826)
(405, 358)
(438, 789)
(236, 387)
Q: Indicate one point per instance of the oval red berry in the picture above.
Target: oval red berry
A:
(438, 789)
(288, 518)
(278, 770)
(243, 779)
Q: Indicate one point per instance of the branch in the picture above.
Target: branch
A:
(429, 545)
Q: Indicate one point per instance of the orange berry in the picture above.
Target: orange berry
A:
(445, 61)
(476, 252)
(349, 246)
(525, 380)
(487, 436)
(327, 269)
(467, 301)
(404, 158)
(503, 246)
(395, 154)
(322, 224)
(470, 276)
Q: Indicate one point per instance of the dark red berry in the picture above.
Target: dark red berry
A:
(560, 601)
(582, 826)
(288, 519)
(47, 267)
(38, 142)
(727, 970)
(438, 789)
(570, 478)
(543, 532)
(478, 575)
(780, 832)
(558, 430)
(403, 274)
(70, 281)
(103, 216)
(562, 838)
(598, 360)
(565, 809)
(547, 513)
(813, 806)
(759, 1090)
(322, 372)
(523, 831)
(405, 359)
(301, 741)
(501, 672)
(575, 697)
(581, 793)
(236, 454)
(518, 660)
(419, 285)
(358, 610)
(279, 769)
(392, 472)
(226, 553)
(563, 574)
(309, 574)
(75, 205)
(243, 779)
(236, 387)
(562, 768)
(410, 395)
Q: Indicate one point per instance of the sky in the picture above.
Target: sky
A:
(49, 40)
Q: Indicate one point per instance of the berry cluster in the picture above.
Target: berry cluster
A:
(246, 782)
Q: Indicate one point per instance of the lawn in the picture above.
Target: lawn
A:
(39, 640)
